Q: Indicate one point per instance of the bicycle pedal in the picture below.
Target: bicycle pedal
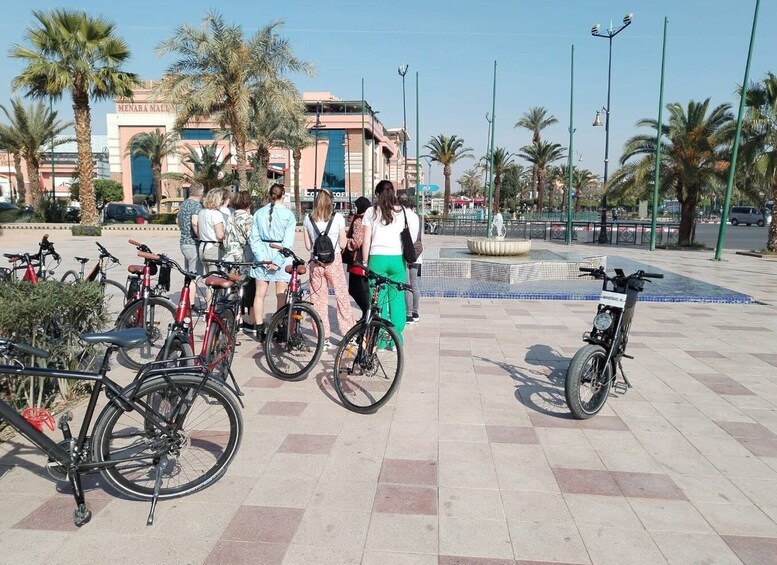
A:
(620, 387)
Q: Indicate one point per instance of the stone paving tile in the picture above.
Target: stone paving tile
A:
(617, 546)
(408, 472)
(403, 533)
(738, 519)
(602, 511)
(246, 553)
(584, 481)
(753, 550)
(547, 542)
(281, 408)
(402, 499)
(684, 547)
(263, 524)
(56, 514)
(511, 434)
(647, 485)
(474, 537)
(308, 443)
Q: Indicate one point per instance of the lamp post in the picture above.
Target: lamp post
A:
(402, 70)
(489, 119)
(316, 127)
(53, 183)
(428, 159)
(372, 165)
(607, 34)
(348, 169)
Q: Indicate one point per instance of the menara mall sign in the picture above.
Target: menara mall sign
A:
(143, 108)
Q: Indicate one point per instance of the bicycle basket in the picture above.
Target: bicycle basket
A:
(133, 285)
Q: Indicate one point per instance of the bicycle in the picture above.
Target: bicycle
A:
(221, 320)
(33, 264)
(169, 433)
(146, 309)
(115, 293)
(369, 360)
(593, 369)
(295, 334)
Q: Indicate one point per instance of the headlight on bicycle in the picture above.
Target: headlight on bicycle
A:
(603, 321)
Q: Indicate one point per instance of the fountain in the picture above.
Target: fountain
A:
(498, 246)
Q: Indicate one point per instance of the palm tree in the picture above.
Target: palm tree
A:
(535, 120)
(206, 166)
(470, 184)
(447, 151)
(156, 147)
(694, 157)
(541, 154)
(296, 137)
(10, 143)
(219, 71)
(72, 51)
(582, 180)
(32, 128)
(503, 161)
(762, 121)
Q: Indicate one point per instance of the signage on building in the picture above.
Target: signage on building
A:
(277, 155)
(143, 108)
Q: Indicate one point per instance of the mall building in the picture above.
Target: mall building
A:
(352, 152)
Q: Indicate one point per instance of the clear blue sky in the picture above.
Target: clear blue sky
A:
(452, 44)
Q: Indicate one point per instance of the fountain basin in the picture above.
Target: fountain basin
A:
(498, 247)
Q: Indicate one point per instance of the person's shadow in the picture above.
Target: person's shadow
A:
(539, 382)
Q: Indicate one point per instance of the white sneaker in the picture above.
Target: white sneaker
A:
(327, 344)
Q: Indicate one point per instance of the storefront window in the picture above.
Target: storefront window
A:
(334, 166)
(142, 177)
(197, 134)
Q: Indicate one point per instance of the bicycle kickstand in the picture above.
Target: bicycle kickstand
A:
(238, 392)
(160, 469)
(625, 379)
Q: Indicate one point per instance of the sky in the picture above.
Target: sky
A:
(452, 46)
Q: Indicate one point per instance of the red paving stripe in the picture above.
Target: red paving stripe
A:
(56, 514)
(512, 434)
(408, 472)
(246, 553)
(585, 481)
(279, 408)
(753, 550)
(402, 499)
(267, 524)
(308, 443)
(647, 485)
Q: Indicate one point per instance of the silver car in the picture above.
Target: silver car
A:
(746, 215)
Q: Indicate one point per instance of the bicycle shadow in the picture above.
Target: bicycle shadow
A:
(539, 385)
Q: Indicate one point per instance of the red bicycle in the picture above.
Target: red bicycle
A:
(33, 264)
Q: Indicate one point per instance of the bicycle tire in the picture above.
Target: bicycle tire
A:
(197, 456)
(161, 313)
(115, 296)
(175, 348)
(70, 277)
(578, 374)
(219, 344)
(368, 366)
(296, 352)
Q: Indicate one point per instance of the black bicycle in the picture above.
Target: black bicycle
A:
(169, 433)
(115, 293)
(369, 360)
(295, 334)
(593, 369)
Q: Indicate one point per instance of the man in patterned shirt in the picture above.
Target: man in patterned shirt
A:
(187, 223)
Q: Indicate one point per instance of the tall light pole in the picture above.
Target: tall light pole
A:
(348, 169)
(402, 70)
(607, 34)
(53, 182)
(570, 166)
(657, 178)
(316, 127)
(489, 119)
(374, 112)
(428, 159)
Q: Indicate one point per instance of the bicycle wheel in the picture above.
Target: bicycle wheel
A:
(70, 277)
(115, 297)
(368, 366)
(588, 381)
(198, 451)
(175, 348)
(292, 354)
(156, 317)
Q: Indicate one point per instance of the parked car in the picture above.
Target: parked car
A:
(7, 206)
(120, 212)
(746, 215)
(170, 205)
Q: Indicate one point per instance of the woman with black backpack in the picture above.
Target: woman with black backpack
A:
(325, 236)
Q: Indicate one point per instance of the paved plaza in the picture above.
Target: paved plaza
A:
(475, 460)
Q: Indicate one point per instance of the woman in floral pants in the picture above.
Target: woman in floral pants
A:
(324, 276)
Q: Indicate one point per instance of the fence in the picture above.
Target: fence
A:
(619, 233)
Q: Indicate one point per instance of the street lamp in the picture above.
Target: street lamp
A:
(607, 34)
(348, 169)
(316, 127)
(374, 176)
(429, 160)
(402, 70)
(489, 119)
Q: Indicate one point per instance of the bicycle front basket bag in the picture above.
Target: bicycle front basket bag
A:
(164, 278)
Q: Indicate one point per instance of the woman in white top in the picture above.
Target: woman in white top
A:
(412, 297)
(210, 226)
(324, 276)
(382, 249)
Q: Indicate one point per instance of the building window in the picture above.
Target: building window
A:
(142, 177)
(334, 166)
(197, 134)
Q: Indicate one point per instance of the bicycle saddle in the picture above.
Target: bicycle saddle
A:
(214, 281)
(130, 338)
(301, 269)
(82, 259)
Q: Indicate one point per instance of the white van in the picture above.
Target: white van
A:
(746, 215)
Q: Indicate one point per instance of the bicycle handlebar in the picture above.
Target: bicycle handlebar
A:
(24, 348)
(104, 253)
(286, 252)
(140, 246)
(600, 273)
(362, 271)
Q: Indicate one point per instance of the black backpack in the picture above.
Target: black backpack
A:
(323, 250)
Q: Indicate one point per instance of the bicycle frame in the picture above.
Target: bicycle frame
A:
(31, 261)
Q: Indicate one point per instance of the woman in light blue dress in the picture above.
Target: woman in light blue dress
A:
(273, 223)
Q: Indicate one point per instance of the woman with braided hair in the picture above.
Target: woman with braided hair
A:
(273, 223)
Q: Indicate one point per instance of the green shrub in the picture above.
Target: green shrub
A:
(9, 216)
(87, 231)
(165, 219)
(49, 315)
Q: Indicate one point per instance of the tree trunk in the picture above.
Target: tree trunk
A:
(33, 173)
(577, 201)
(82, 116)
(687, 220)
(263, 157)
(540, 190)
(297, 156)
(22, 195)
(156, 172)
(446, 171)
(535, 181)
(240, 153)
(771, 241)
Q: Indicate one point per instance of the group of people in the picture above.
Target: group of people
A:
(222, 225)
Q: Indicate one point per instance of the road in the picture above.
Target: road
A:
(737, 237)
